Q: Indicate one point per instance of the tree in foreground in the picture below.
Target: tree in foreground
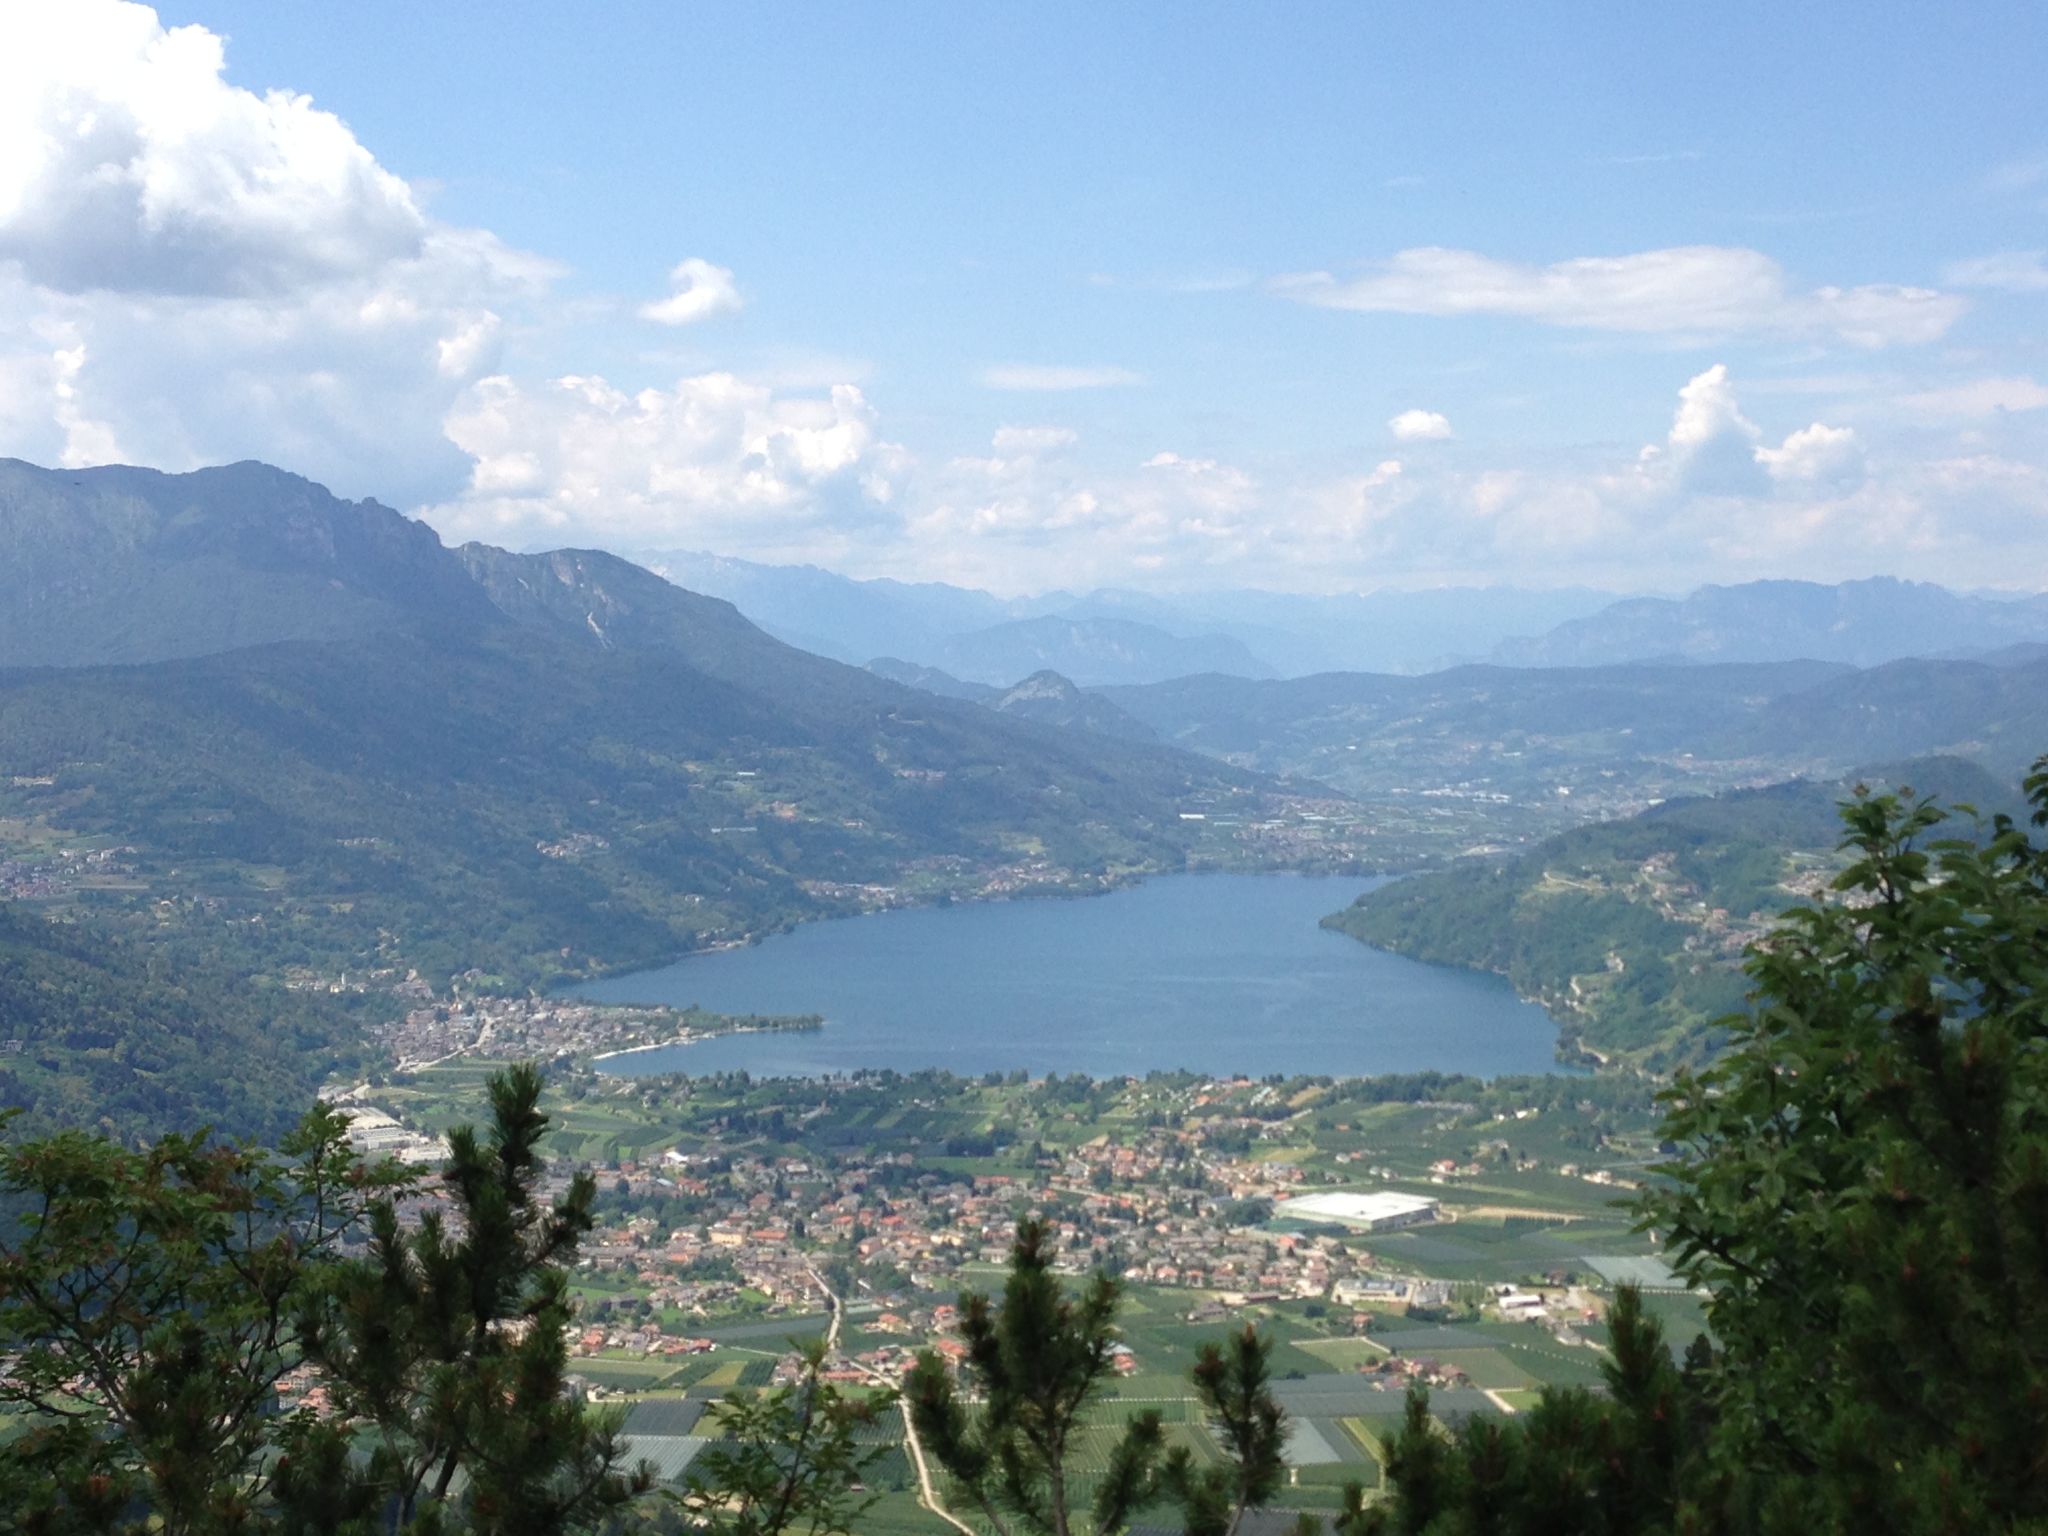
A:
(1576, 1464)
(448, 1341)
(790, 1460)
(152, 1303)
(1040, 1360)
(1863, 1195)
(1233, 1380)
(147, 1305)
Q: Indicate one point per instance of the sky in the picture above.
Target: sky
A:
(1176, 296)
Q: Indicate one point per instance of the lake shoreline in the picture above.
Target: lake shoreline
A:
(703, 1036)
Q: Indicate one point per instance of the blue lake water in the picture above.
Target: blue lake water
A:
(1209, 973)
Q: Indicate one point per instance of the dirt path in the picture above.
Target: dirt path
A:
(927, 1494)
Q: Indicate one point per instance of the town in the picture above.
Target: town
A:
(1445, 1233)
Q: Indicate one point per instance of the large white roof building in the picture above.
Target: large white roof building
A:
(1379, 1211)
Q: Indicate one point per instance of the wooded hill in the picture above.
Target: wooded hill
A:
(1632, 931)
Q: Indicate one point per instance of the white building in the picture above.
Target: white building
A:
(1379, 1211)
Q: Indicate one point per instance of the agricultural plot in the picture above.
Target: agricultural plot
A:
(1336, 1398)
(1495, 1249)
(1323, 1442)
(1344, 1354)
(1171, 1410)
(1683, 1314)
(1372, 1433)
(1652, 1274)
(1154, 1387)
(631, 1374)
(1487, 1368)
(1431, 1339)
(772, 1334)
(1549, 1362)
(1097, 1444)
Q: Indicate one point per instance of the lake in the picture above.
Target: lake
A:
(1210, 973)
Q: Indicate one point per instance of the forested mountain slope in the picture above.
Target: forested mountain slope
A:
(131, 565)
(139, 1040)
(528, 764)
(1632, 931)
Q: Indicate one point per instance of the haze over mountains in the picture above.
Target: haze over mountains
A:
(1112, 637)
(1863, 623)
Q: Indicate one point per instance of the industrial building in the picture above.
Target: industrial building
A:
(1380, 1211)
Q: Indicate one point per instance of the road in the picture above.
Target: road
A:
(927, 1493)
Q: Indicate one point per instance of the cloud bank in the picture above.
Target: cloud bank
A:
(1695, 290)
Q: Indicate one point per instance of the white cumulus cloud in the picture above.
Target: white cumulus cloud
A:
(1712, 444)
(700, 290)
(1713, 449)
(1818, 456)
(714, 459)
(1683, 290)
(128, 163)
(159, 225)
(1420, 426)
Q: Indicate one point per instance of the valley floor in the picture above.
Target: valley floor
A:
(732, 1208)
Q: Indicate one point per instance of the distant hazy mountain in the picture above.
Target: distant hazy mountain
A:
(973, 635)
(1054, 700)
(1287, 634)
(1659, 708)
(837, 616)
(1505, 751)
(1862, 623)
(2026, 654)
(1303, 633)
(932, 680)
(1092, 652)
(1995, 714)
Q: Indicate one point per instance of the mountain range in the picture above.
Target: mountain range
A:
(318, 741)
(1115, 637)
(1862, 623)
(309, 739)
(1111, 636)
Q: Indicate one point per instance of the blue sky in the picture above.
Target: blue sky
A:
(1324, 297)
